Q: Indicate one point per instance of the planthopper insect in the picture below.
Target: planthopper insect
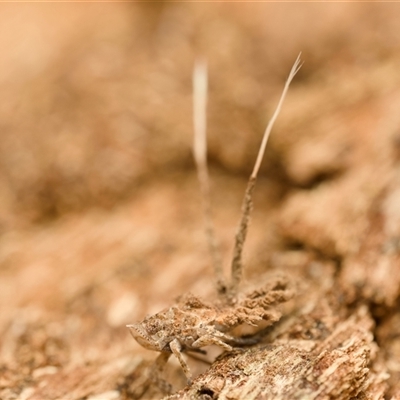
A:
(191, 323)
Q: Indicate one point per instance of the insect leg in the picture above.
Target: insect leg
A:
(176, 348)
(209, 339)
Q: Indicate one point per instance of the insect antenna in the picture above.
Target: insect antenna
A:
(200, 156)
(247, 205)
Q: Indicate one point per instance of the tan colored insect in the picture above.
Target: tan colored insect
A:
(191, 324)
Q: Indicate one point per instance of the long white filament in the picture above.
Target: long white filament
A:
(296, 66)
(247, 205)
(200, 156)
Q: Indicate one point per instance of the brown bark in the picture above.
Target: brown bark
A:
(341, 364)
(100, 221)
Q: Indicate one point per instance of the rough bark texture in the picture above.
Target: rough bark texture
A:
(340, 365)
(100, 211)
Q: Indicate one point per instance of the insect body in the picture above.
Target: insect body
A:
(191, 324)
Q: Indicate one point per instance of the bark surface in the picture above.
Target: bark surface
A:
(100, 210)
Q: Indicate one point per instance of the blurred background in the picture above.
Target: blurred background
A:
(100, 212)
(97, 97)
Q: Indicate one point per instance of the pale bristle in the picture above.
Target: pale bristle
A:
(200, 156)
(240, 238)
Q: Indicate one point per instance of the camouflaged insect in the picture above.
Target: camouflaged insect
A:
(191, 323)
